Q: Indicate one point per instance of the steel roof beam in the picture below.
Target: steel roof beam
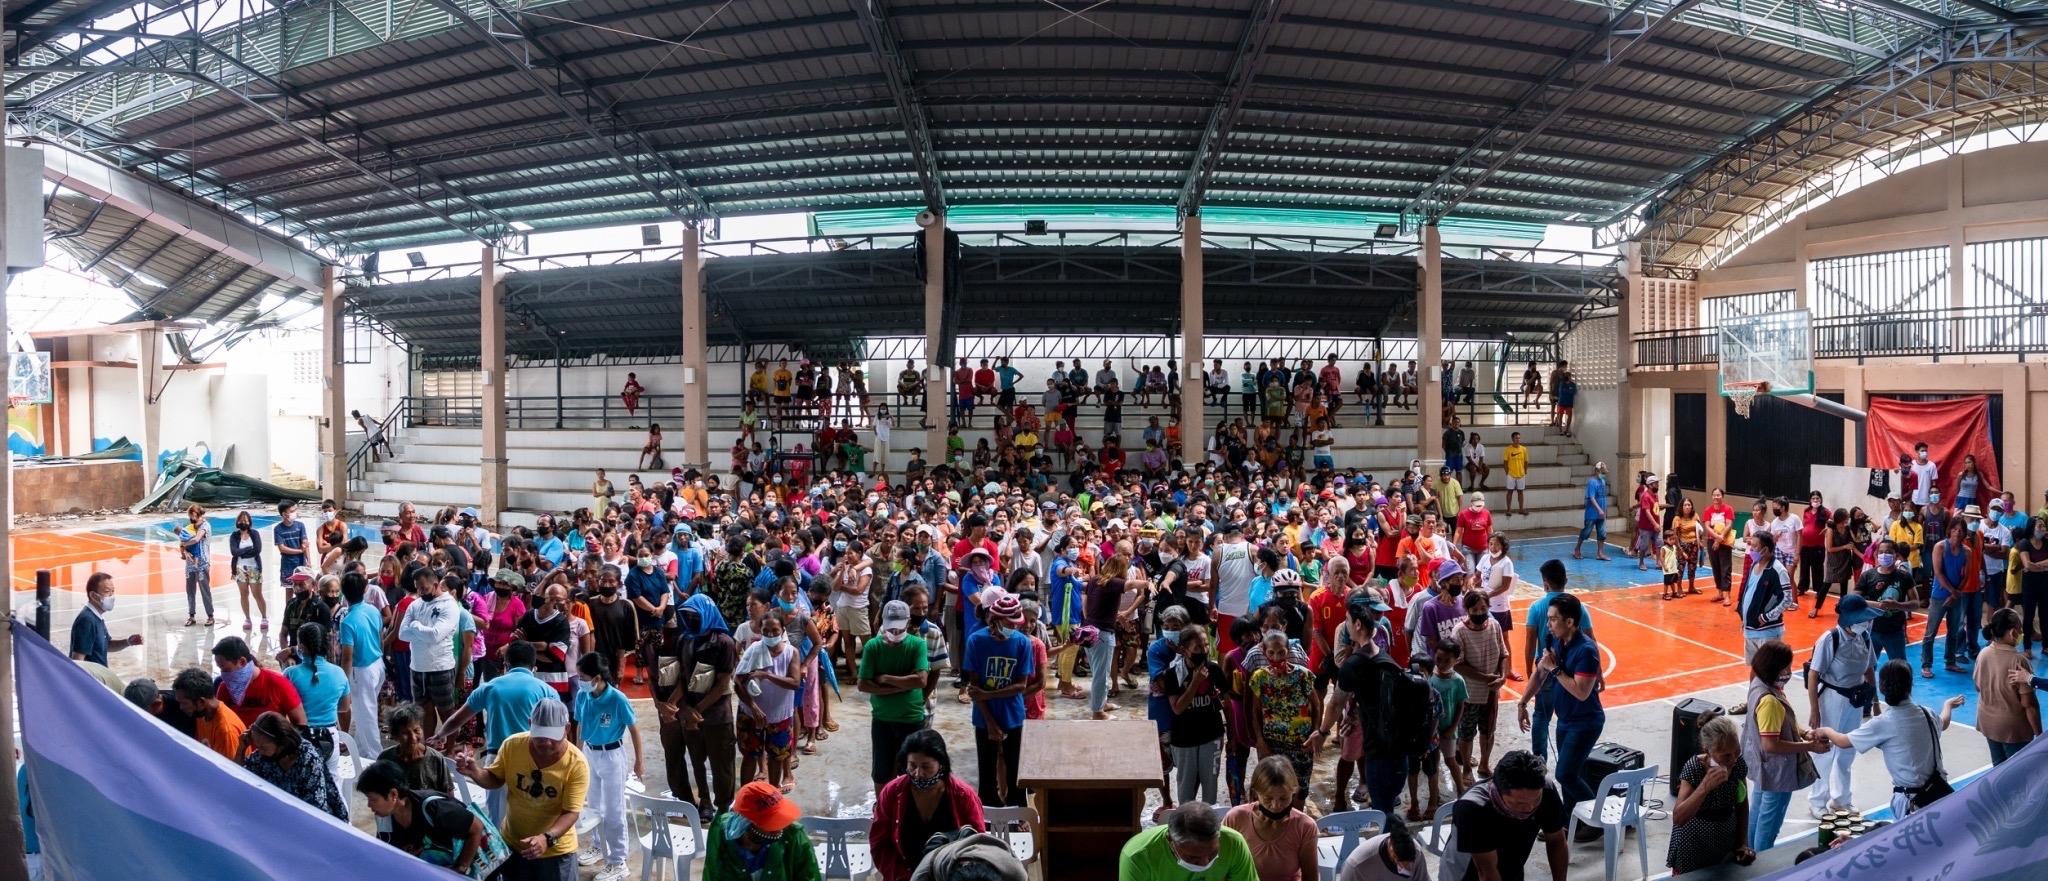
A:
(896, 69)
(1256, 35)
(638, 156)
(1538, 109)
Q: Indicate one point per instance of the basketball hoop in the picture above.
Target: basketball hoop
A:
(1743, 394)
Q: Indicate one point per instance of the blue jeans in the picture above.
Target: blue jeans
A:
(1101, 658)
(1574, 743)
(1539, 725)
(1383, 779)
(1963, 614)
(1596, 527)
(1972, 621)
(2002, 751)
(1891, 646)
(1767, 818)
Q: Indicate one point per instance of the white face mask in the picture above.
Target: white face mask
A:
(1196, 868)
(107, 603)
(893, 637)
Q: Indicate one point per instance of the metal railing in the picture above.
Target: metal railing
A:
(2019, 330)
(359, 459)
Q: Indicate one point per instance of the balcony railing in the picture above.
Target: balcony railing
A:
(2017, 330)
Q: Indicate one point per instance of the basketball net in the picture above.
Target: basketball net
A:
(1743, 394)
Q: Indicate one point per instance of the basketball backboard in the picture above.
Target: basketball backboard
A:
(1775, 348)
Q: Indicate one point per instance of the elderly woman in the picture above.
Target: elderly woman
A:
(1710, 825)
(1282, 838)
(924, 799)
(1192, 843)
(292, 763)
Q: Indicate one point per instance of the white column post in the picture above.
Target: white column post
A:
(496, 493)
(1194, 430)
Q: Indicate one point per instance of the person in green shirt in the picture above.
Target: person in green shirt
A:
(1192, 845)
(856, 456)
(892, 674)
(955, 446)
(1448, 494)
(759, 839)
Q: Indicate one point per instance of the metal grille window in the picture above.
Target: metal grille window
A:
(306, 367)
(1715, 310)
(1881, 284)
(2008, 273)
(452, 383)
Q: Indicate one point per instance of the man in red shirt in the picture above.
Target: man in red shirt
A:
(250, 690)
(975, 536)
(1112, 455)
(1475, 525)
(1812, 550)
(985, 380)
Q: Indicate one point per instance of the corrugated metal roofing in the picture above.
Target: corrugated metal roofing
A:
(405, 127)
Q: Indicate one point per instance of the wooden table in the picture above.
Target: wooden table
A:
(1088, 782)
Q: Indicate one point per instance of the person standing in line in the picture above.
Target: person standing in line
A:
(2031, 555)
(361, 652)
(1926, 477)
(1766, 596)
(428, 627)
(321, 687)
(696, 711)
(1596, 515)
(601, 723)
(1232, 564)
(289, 536)
(89, 639)
(506, 702)
(1573, 671)
(1483, 661)
(1888, 588)
(998, 663)
(2008, 716)
(245, 550)
(1958, 572)
(194, 536)
(1193, 685)
(770, 671)
(1771, 743)
(893, 670)
(1719, 520)
(1841, 680)
(546, 779)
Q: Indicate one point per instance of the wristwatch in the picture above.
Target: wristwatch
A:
(550, 838)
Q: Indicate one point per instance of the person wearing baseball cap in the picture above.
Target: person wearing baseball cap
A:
(545, 778)
(892, 672)
(759, 838)
(999, 664)
(1439, 620)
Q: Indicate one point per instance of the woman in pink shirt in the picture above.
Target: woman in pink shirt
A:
(1719, 520)
(1282, 838)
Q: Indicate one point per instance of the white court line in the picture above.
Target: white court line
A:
(1617, 616)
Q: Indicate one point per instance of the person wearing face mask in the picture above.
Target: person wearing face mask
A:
(893, 670)
(1909, 536)
(1282, 838)
(999, 662)
(922, 798)
(647, 590)
(768, 676)
(600, 724)
(614, 624)
(1772, 742)
(1191, 845)
(548, 630)
(1498, 821)
(759, 839)
(1766, 595)
(1194, 686)
(1841, 680)
(1888, 587)
(249, 689)
(504, 609)
(89, 639)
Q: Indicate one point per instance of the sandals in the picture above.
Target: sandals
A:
(830, 726)
(212, 622)
(191, 621)
(1415, 814)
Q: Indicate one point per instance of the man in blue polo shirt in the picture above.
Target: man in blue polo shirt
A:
(507, 703)
(89, 640)
(1535, 641)
(361, 641)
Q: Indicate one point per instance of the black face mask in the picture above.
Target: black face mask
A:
(917, 623)
(1275, 816)
(609, 590)
(502, 590)
(1198, 658)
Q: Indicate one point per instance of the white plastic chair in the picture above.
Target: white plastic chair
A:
(586, 824)
(1024, 841)
(463, 788)
(347, 762)
(1339, 834)
(1617, 813)
(659, 846)
(1441, 839)
(841, 857)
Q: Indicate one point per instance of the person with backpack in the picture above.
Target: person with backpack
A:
(1393, 707)
(1841, 680)
(1571, 669)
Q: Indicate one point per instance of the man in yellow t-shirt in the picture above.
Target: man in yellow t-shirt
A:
(545, 780)
(1515, 461)
(757, 383)
(783, 386)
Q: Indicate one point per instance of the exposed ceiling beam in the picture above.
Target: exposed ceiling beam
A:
(575, 100)
(1251, 47)
(896, 70)
(1593, 62)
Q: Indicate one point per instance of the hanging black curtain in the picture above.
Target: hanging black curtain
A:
(1768, 454)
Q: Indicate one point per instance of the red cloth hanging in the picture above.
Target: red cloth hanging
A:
(1951, 430)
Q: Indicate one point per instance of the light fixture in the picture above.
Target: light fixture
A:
(650, 235)
(417, 259)
(1034, 227)
(1387, 231)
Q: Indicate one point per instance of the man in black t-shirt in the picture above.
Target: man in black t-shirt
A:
(1499, 820)
(424, 823)
(1193, 684)
(547, 627)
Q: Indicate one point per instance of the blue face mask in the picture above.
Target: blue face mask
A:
(839, 547)
(783, 604)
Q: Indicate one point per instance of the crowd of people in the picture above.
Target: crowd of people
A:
(1278, 625)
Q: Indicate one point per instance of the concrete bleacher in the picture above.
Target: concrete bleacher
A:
(551, 470)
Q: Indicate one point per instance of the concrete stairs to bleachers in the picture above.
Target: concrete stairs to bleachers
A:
(551, 470)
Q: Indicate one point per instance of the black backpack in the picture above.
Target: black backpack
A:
(1404, 723)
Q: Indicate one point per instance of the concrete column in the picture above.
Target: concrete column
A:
(1717, 440)
(696, 345)
(936, 383)
(1853, 395)
(334, 422)
(1429, 335)
(496, 493)
(1629, 444)
(149, 374)
(2013, 472)
(1194, 430)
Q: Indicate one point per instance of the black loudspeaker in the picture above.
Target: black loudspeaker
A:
(1686, 719)
(1606, 759)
